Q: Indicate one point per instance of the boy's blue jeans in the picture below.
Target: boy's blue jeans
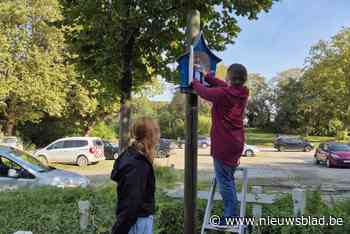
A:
(142, 226)
(224, 175)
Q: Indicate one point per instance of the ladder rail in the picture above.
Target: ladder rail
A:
(209, 207)
(243, 198)
(243, 206)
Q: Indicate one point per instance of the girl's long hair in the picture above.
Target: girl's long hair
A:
(146, 133)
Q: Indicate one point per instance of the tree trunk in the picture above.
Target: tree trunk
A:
(126, 88)
(124, 125)
(10, 124)
(89, 127)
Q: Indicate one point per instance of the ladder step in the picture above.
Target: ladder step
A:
(234, 229)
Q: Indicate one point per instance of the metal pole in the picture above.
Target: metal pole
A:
(191, 140)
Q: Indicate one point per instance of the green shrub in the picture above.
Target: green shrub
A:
(166, 176)
(52, 210)
(170, 216)
(43, 210)
(342, 135)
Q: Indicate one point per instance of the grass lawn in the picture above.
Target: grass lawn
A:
(105, 165)
(260, 137)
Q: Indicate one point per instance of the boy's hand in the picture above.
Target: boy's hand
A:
(200, 69)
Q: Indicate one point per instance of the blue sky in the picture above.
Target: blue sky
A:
(281, 38)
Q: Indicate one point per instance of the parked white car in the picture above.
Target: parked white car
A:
(78, 150)
(11, 141)
(250, 150)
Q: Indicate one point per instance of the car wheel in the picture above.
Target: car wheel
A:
(316, 161)
(328, 163)
(115, 155)
(82, 161)
(307, 149)
(161, 154)
(249, 153)
(281, 149)
(43, 160)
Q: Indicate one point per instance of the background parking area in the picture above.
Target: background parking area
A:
(268, 168)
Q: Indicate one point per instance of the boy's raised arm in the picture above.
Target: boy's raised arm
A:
(210, 79)
(209, 94)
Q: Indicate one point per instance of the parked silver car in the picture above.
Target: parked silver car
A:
(78, 150)
(11, 141)
(250, 150)
(20, 169)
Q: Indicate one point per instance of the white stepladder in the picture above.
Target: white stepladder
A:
(240, 229)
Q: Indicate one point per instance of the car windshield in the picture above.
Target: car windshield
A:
(29, 161)
(339, 147)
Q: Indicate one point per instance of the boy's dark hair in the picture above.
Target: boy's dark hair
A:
(238, 74)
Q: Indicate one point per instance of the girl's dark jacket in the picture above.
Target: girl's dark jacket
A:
(135, 191)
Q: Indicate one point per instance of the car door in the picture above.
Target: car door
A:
(24, 179)
(323, 152)
(318, 152)
(299, 144)
(80, 147)
(54, 151)
(108, 149)
(287, 143)
(69, 152)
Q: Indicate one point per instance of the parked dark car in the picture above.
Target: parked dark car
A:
(203, 142)
(165, 148)
(111, 150)
(333, 154)
(283, 143)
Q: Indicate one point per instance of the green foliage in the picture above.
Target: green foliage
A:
(221, 71)
(44, 210)
(170, 216)
(342, 135)
(288, 99)
(326, 82)
(166, 177)
(171, 117)
(260, 101)
(204, 125)
(33, 72)
(315, 208)
(48, 130)
(104, 131)
(125, 44)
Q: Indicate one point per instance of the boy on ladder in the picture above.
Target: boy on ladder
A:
(229, 101)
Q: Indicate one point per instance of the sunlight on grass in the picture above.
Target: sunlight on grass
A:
(260, 137)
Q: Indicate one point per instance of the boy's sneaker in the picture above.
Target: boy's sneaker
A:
(223, 226)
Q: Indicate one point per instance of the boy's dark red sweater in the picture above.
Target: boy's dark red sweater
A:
(227, 132)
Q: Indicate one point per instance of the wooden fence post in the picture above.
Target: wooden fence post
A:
(299, 201)
(84, 211)
(257, 208)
